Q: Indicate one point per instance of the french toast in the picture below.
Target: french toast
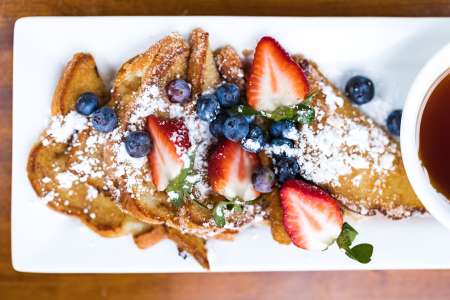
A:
(352, 157)
(49, 169)
(174, 58)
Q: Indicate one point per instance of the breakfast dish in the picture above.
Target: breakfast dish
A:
(192, 145)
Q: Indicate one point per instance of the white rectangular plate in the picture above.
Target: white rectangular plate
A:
(389, 50)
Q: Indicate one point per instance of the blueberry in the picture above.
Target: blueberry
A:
(359, 89)
(228, 95)
(279, 146)
(263, 180)
(87, 103)
(178, 91)
(287, 168)
(216, 126)
(394, 121)
(284, 129)
(255, 139)
(208, 107)
(138, 144)
(235, 128)
(104, 119)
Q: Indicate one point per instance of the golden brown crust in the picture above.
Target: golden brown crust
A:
(79, 76)
(275, 212)
(193, 245)
(103, 217)
(229, 66)
(202, 73)
(151, 237)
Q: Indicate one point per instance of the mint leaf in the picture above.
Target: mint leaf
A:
(282, 113)
(305, 114)
(245, 110)
(346, 237)
(179, 188)
(361, 253)
(219, 213)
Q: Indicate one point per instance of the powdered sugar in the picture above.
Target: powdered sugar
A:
(337, 146)
(63, 127)
(66, 179)
(92, 193)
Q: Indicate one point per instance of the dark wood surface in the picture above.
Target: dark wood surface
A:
(298, 285)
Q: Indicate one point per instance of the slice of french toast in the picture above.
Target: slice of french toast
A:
(230, 66)
(138, 194)
(49, 169)
(351, 156)
(202, 72)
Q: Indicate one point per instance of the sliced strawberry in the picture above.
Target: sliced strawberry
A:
(311, 217)
(230, 170)
(170, 143)
(275, 78)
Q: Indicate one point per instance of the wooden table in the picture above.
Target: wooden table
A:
(300, 285)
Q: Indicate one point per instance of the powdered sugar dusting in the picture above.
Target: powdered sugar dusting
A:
(63, 127)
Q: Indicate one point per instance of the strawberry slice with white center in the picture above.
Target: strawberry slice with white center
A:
(275, 78)
(311, 217)
(230, 170)
(170, 144)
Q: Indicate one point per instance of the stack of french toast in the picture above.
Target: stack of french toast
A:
(180, 149)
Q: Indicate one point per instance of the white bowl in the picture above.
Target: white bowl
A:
(436, 203)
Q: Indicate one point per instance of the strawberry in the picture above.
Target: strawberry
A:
(230, 170)
(311, 217)
(170, 143)
(275, 78)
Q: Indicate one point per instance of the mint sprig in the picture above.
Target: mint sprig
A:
(361, 252)
(180, 187)
(302, 113)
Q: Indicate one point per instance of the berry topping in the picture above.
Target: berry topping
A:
(178, 91)
(263, 180)
(280, 146)
(216, 126)
(284, 129)
(104, 119)
(138, 144)
(393, 121)
(230, 170)
(228, 95)
(287, 168)
(235, 128)
(359, 89)
(208, 107)
(87, 103)
(255, 139)
(275, 79)
(170, 144)
(311, 217)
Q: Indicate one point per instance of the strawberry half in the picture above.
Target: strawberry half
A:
(311, 217)
(170, 142)
(275, 79)
(230, 170)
